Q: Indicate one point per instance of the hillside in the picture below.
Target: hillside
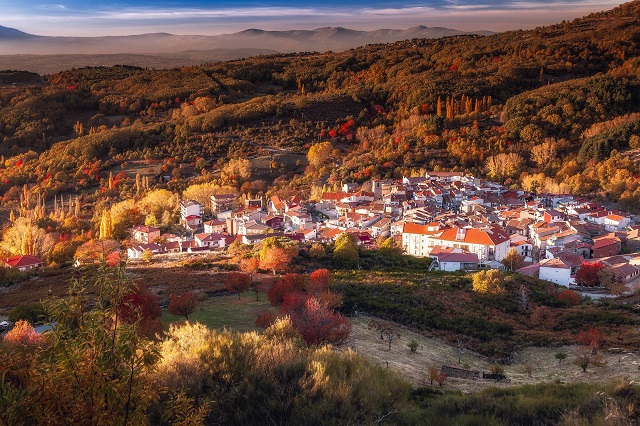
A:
(546, 110)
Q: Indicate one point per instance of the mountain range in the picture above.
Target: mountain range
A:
(13, 41)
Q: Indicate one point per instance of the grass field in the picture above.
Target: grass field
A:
(227, 312)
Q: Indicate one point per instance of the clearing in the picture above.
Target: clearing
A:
(433, 351)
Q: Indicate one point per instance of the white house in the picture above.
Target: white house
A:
(615, 222)
(213, 240)
(490, 243)
(556, 271)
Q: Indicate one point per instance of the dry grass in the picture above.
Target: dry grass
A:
(433, 351)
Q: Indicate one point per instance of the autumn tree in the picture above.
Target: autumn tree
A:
(388, 330)
(320, 280)
(389, 247)
(96, 251)
(183, 304)
(513, 260)
(316, 251)
(588, 274)
(275, 259)
(345, 253)
(23, 237)
(488, 282)
(319, 153)
(237, 282)
(22, 334)
(569, 297)
(319, 325)
(592, 339)
(542, 154)
(141, 307)
(276, 254)
(434, 374)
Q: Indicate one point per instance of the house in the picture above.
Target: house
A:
(215, 226)
(605, 246)
(213, 240)
(615, 222)
(453, 259)
(190, 208)
(490, 243)
(222, 203)
(23, 263)
(143, 234)
(136, 251)
(556, 271)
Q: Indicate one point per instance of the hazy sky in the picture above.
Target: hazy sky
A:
(207, 17)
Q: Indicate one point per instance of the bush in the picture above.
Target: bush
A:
(31, 312)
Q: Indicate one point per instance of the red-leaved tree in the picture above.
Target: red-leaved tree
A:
(588, 273)
(320, 280)
(142, 307)
(237, 282)
(290, 283)
(265, 319)
(22, 334)
(319, 324)
(569, 297)
(183, 304)
(276, 259)
(592, 338)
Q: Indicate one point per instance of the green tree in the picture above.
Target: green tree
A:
(345, 253)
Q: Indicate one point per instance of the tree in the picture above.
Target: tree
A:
(436, 375)
(319, 325)
(569, 297)
(25, 238)
(147, 256)
(592, 338)
(587, 275)
(582, 360)
(522, 295)
(345, 253)
(513, 260)
(560, 356)
(237, 282)
(390, 248)
(488, 282)
(316, 251)
(543, 153)
(183, 304)
(22, 334)
(320, 280)
(319, 154)
(388, 330)
(96, 251)
(265, 319)
(275, 259)
(142, 308)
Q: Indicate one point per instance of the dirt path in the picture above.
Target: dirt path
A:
(432, 351)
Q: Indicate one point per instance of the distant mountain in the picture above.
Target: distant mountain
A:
(321, 39)
(13, 34)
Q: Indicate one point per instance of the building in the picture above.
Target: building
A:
(215, 226)
(222, 203)
(190, 208)
(23, 263)
(556, 271)
(143, 234)
(490, 243)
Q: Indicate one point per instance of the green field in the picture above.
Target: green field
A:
(227, 312)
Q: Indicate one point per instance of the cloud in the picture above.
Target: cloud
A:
(77, 17)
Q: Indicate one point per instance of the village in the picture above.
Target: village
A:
(463, 223)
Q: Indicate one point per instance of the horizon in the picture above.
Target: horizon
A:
(76, 18)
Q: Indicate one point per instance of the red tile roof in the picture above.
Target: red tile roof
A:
(24, 260)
